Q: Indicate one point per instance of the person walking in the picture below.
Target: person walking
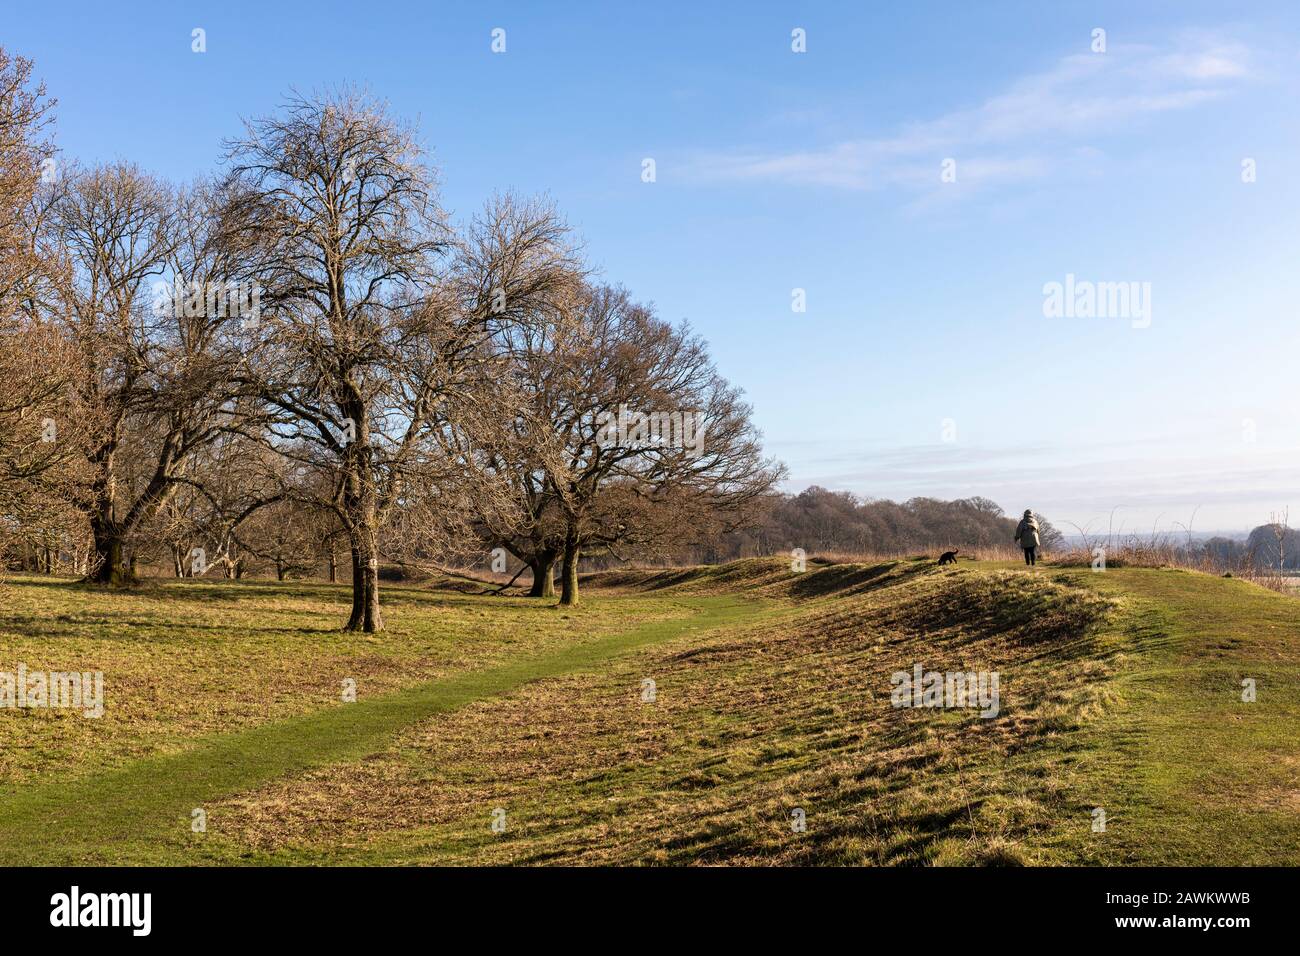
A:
(1027, 536)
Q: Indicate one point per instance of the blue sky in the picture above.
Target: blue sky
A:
(924, 363)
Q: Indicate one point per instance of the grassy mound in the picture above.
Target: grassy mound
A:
(770, 577)
(738, 714)
(747, 726)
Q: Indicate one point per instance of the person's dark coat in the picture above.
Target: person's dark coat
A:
(1027, 531)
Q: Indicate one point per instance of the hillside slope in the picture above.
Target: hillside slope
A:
(759, 728)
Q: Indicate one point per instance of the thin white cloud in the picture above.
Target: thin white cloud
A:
(1007, 137)
(1214, 61)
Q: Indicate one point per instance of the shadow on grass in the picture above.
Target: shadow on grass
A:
(853, 578)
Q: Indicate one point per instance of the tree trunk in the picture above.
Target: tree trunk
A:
(543, 567)
(569, 587)
(365, 587)
(361, 518)
(374, 621)
(357, 616)
(334, 567)
(108, 546)
(362, 507)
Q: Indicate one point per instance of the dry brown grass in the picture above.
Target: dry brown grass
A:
(1118, 690)
(748, 725)
(964, 553)
(246, 653)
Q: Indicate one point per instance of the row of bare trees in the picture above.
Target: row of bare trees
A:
(303, 355)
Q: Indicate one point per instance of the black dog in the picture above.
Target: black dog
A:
(948, 557)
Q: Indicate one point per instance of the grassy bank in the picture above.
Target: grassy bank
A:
(685, 716)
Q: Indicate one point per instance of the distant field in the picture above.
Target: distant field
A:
(770, 704)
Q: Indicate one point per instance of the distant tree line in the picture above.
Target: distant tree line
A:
(1272, 546)
(839, 522)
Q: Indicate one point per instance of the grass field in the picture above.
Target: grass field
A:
(771, 703)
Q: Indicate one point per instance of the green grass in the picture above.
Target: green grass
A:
(119, 815)
(1119, 690)
(1210, 778)
(191, 659)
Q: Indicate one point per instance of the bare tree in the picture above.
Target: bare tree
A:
(1279, 523)
(374, 312)
(35, 363)
(36, 468)
(25, 156)
(155, 369)
(306, 351)
(635, 439)
(509, 445)
(209, 522)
